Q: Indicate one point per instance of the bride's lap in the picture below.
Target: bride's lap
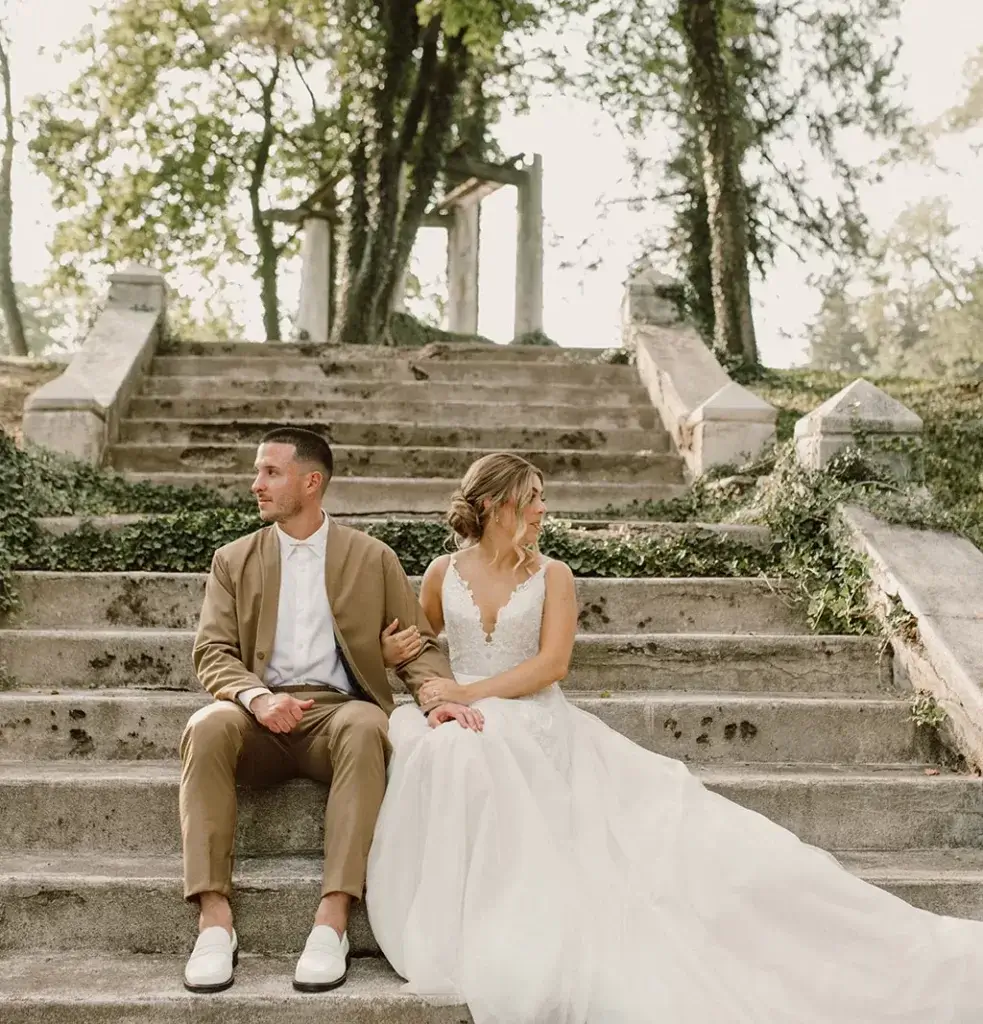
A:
(408, 723)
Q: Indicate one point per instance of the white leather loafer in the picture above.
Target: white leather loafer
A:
(324, 963)
(212, 961)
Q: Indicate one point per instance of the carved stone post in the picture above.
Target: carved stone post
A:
(863, 416)
(529, 252)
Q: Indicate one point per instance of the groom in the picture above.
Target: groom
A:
(289, 646)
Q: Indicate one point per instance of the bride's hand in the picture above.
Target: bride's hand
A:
(400, 646)
(444, 691)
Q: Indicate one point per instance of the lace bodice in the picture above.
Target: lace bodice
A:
(516, 635)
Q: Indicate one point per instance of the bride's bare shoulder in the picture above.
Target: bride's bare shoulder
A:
(437, 569)
(556, 571)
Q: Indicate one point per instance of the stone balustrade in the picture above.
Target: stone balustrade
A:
(78, 413)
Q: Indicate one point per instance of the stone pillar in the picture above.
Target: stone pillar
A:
(314, 316)
(862, 416)
(463, 244)
(529, 252)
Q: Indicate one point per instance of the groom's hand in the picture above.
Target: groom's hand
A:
(279, 712)
(467, 718)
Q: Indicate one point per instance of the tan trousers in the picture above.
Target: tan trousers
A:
(340, 741)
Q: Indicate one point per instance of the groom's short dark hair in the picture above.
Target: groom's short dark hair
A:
(310, 447)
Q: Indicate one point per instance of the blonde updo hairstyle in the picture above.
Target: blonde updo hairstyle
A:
(488, 485)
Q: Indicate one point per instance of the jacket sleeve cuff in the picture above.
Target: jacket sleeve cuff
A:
(246, 697)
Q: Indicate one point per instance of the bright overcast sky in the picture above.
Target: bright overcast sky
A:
(583, 159)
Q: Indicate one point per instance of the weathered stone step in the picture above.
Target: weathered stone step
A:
(131, 807)
(369, 461)
(519, 397)
(46, 660)
(86, 989)
(454, 352)
(363, 495)
(73, 902)
(701, 728)
(590, 415)
(136, 600)
(393, 369)
(408, 435)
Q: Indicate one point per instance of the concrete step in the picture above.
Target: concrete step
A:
(368, 461)
(700, 728)
(394, 368)
(131, 808)
(519, 397)
(364, 495)
(72, 902)
(150, 659)
(87, 989)
(453, 352)
(405, 435)
(454, 412)
(135, 600)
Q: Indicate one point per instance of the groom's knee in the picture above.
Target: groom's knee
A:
(214, 729)
(361, 732)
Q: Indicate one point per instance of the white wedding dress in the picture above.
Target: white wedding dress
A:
(549, 871)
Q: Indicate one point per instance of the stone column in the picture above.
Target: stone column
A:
(463, 243)
(862, 416)
(314, 316)
(529, 252)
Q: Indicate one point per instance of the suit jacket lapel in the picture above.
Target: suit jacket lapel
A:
(270, 597)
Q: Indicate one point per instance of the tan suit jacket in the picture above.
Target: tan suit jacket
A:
(366, 587)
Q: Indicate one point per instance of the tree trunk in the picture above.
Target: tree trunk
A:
(433, 146)
(734, 326)
(382, 229)
(269, 253)
(8, 295)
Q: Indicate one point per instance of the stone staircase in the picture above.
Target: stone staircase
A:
(404, 424)
(96, 685)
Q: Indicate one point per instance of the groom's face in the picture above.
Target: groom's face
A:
(279, 483)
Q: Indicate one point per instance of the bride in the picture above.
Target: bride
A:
(536, 865)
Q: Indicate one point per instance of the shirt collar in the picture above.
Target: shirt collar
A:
(317, 541)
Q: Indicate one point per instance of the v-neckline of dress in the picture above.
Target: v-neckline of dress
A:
(489, 638)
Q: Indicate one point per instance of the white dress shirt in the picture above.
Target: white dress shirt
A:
(304, 649)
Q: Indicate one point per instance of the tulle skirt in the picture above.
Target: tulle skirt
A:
(549, 871)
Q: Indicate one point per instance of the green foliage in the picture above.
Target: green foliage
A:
(952, 413)
(183, 120)
(53, 321)
(915, 308)
(805, 77)
(927, 713)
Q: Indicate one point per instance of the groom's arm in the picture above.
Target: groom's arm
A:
(216, 656)
(402, 604)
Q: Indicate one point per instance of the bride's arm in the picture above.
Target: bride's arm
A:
(556, 636)
(430, 591)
